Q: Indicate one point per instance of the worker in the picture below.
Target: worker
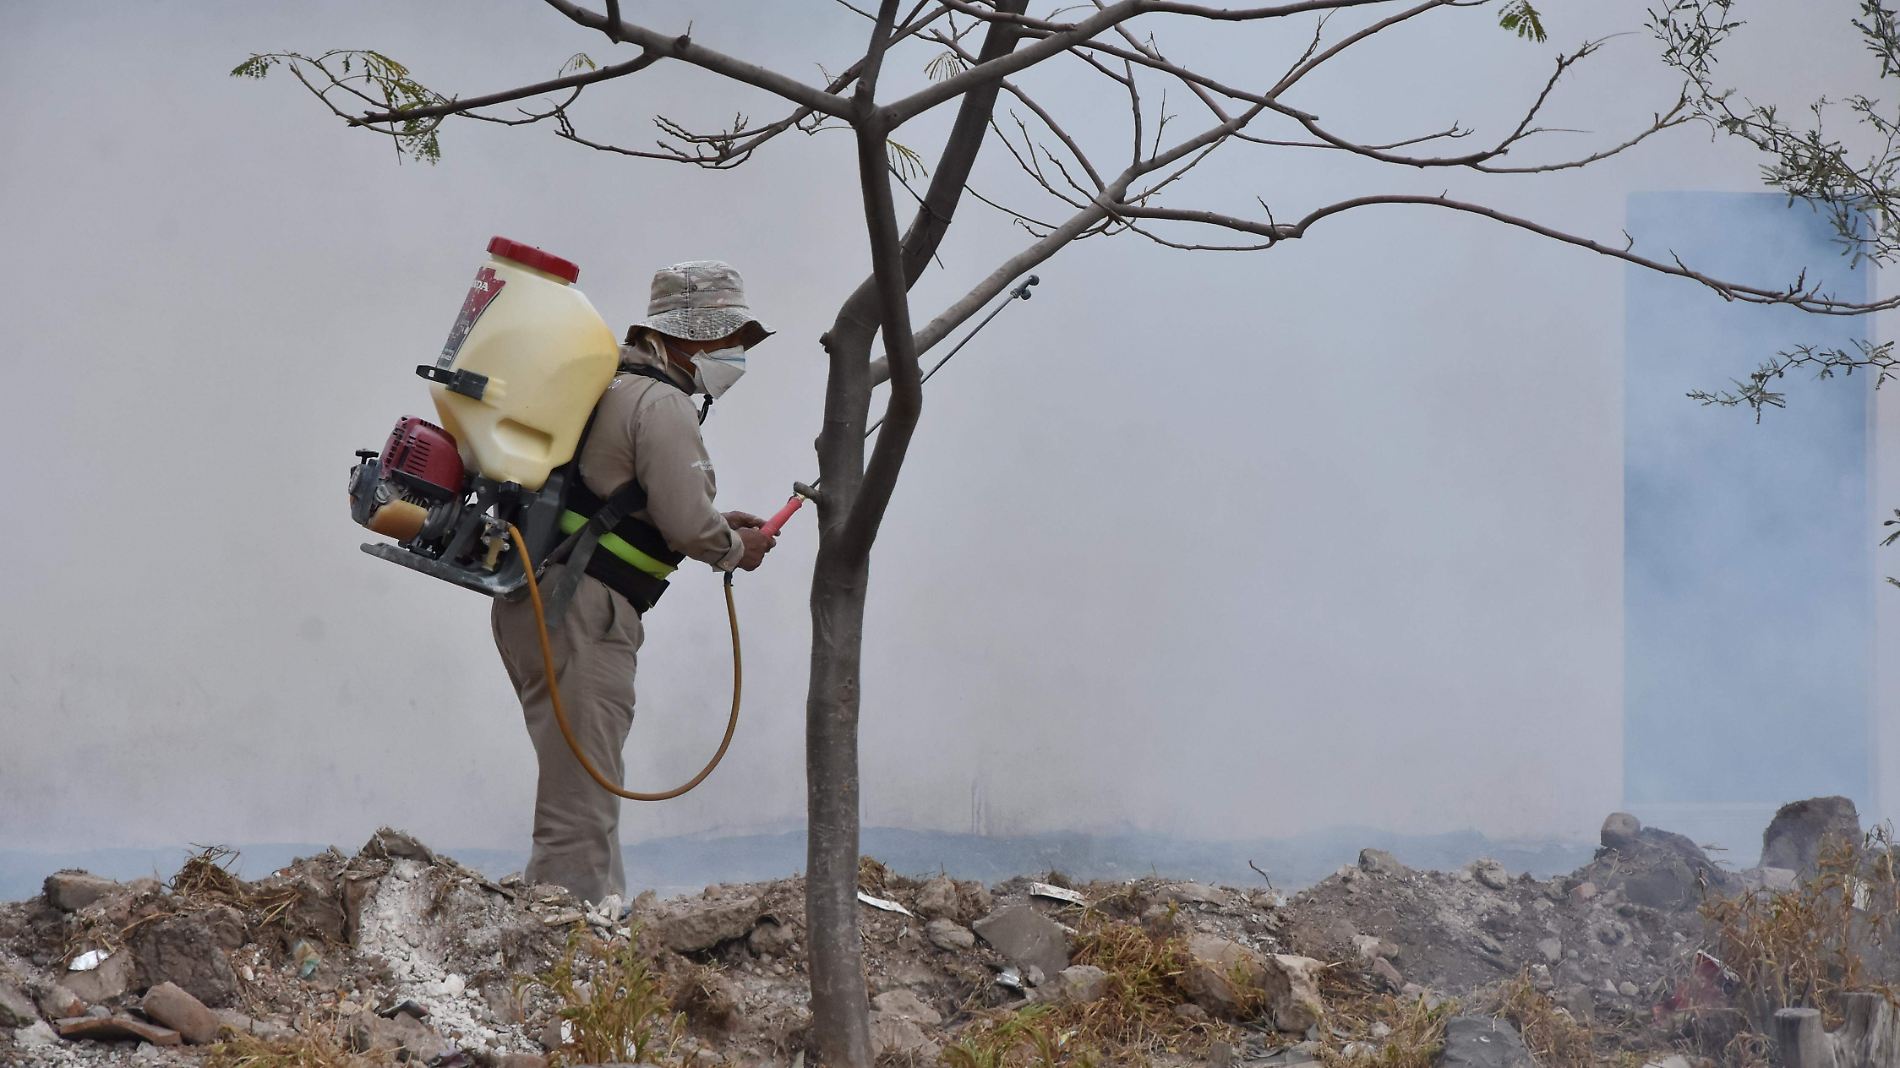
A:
(645, 431)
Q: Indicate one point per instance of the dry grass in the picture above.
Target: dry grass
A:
(1133, 1020)
(1356, 1013)
(313, 1046)
(1809, 945)
(613, 1006)
(1554, 1037)
(206, 880)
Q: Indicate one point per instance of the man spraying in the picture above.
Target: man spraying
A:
(644, 431)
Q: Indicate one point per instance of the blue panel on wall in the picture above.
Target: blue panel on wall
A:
(1748, 549)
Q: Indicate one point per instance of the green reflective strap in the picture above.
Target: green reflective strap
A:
(572, 521)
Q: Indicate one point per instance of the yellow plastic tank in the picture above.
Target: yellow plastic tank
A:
(524, 364)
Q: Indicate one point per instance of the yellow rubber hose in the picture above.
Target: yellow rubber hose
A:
(560, 711)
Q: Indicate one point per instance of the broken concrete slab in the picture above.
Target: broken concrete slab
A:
(116, 1028)
(186, 950)
(697, 927)
(73, 889)
(1800, 831)
(169, 1004)
(1026, 937)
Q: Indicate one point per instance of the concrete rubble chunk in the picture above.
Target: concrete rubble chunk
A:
(16, 1009)
(1026, 937)
(1229, 979)
(945, 934)
(696, 928)
(170, 1005)
(938, 899)
(55, 1000)
(1482, 1042)
(771, 939)
(1491, 874)
(1380, 862)
(907, 1004)
(115, 1028)
(1193, 894)
(110, 979)
(1620, 830)
(188, 951)
(902, 1039)
(72, 890)
(1800, 831)
(243, 1024)
(1078, 984)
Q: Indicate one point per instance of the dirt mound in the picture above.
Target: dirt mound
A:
(399, 954)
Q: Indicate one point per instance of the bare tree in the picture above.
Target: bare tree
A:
(981, 51)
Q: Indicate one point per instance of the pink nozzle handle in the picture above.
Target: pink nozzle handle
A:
(777, 523)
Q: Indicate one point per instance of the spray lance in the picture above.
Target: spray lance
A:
(802, 492)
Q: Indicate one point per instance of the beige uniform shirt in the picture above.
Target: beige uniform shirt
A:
(647, 430)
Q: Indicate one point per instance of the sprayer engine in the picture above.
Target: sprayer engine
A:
(448, 522)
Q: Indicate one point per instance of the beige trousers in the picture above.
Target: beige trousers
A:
(576, 823)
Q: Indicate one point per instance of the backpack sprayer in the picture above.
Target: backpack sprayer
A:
(478, 500)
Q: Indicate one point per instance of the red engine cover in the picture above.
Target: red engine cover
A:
(423, 456)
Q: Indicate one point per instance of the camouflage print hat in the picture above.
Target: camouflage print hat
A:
(701, 300)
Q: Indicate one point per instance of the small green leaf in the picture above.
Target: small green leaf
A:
(579, 61)
(1521, 18)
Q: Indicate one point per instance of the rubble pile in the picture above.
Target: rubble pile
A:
(398, 955)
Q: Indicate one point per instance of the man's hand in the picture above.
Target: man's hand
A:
(757, 544)
(742, 520)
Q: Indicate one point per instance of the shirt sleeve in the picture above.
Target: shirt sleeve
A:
(669, 459)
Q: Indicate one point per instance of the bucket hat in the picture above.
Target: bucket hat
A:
(701, 300)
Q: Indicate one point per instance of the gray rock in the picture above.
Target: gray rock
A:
(1388, 974)
(1552, 950)
(38, 1033)
(771, 939)
(70, 891)
(56, 1002)
(1795, 837)
(938, 899)
(1078, 984)
(186, 950)
(170, 1005)
(16, 1009)
(1228, 979)
(1026, 937)
(1193, 894)
(246, 1025)
(1482, 1042)
(900, 1038)
(907, 1005)
(945, 934)
(1620, 830)
(111, 978)
(697, 928)
(1492, 874)
(1379, 862)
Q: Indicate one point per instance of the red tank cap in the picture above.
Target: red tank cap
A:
(529, 256)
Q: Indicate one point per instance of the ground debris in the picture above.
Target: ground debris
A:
(398, 954)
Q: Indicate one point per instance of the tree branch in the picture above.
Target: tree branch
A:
(466, 104)
(683, 48)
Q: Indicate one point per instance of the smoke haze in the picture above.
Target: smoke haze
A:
(1206, 545)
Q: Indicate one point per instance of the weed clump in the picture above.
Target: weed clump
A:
(1134, 1018)
(610, 1005)
(1830, 934)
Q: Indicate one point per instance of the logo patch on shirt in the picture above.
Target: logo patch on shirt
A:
(702, 465)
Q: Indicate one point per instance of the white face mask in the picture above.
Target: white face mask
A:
(715, 372)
